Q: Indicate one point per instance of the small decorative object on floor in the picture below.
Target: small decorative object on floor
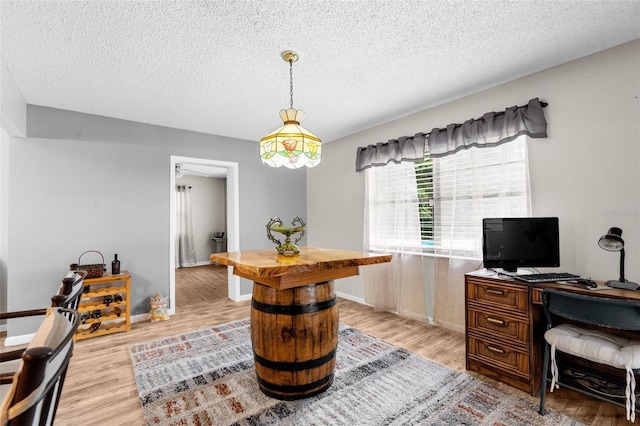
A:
(287, 248)
(159, 308)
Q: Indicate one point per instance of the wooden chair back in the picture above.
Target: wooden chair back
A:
(36, 387)
(619, 314)
(70, 291)
(68, 296)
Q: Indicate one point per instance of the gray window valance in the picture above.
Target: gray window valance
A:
(396, 150)
(492, 129)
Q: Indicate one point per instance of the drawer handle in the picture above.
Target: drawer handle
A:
(496, 321)
(494, 349)
(495, 291)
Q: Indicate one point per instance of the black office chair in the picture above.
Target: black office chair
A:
(33, 396)
(68, 296)
(583, 342)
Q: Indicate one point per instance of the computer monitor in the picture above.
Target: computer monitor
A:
(520, 242)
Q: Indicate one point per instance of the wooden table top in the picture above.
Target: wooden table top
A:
(311, 265)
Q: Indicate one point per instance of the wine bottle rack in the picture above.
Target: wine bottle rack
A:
(96, 289)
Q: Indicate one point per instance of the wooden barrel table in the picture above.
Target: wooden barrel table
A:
(294, 335)
(294, 315)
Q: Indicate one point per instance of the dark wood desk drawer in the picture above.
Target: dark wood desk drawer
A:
(499, 357)
(512, 297)
(499, 325)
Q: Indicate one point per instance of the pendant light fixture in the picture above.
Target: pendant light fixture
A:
(291, 145)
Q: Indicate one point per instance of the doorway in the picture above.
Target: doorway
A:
(230, 171)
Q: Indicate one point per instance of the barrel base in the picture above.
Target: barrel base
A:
(289, 393)
(294, 335)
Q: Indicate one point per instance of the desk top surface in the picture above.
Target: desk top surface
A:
(267, 263)
(601, 291)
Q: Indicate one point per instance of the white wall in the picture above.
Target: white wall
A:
(587, 172)
(14, 109)
(4, 219)
(13, 120)
(209, 208)
(80, 182)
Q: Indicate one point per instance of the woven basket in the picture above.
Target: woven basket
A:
(94, 270)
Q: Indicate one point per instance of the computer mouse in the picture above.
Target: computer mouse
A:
(587, 282)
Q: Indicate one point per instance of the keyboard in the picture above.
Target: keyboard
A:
(543, 278)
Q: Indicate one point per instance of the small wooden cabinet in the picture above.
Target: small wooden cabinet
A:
(499, 330)
(109, 295)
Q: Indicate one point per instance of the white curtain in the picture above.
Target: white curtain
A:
(186, 249)
(392, 225)
(474, 184)
(449, 310)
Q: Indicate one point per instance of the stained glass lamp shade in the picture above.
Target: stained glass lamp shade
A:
(291, 145)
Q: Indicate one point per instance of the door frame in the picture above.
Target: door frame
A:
(233, 221)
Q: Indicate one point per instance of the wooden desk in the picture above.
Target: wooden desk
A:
(505, 325)
(294, 316)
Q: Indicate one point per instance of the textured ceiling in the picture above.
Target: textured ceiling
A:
(215, 66)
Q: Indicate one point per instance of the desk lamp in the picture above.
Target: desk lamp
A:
(613, 241)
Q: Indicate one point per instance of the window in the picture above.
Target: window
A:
(449, 197)
(391, 209)
(424, 181)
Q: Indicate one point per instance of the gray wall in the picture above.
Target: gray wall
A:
(80, 182)
(586, 172)
(209, 211)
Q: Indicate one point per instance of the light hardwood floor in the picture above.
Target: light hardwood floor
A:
(100, 387)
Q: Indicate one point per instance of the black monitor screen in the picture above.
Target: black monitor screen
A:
(527, 242)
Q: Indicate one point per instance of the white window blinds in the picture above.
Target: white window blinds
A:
(392, 218)
(474, 184)
(437, 206)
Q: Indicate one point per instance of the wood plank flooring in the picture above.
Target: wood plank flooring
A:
(100, 387)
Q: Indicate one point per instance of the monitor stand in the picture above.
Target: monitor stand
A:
(509, 272)
(627, 285)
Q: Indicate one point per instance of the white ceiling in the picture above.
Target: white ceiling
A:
(215, 66)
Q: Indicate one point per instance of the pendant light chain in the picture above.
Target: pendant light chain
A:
(291, 145)
(291, 81)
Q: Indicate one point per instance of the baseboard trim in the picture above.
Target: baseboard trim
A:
(18, 340)
(352, 298)
(201, 263)
(243, 297)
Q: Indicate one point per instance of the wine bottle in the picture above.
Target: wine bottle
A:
(107, 300)
(84, 317)
(115, 266)
(117, 298)
(117, 311)
(96, 314)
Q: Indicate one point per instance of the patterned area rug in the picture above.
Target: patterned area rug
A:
(206, 377)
